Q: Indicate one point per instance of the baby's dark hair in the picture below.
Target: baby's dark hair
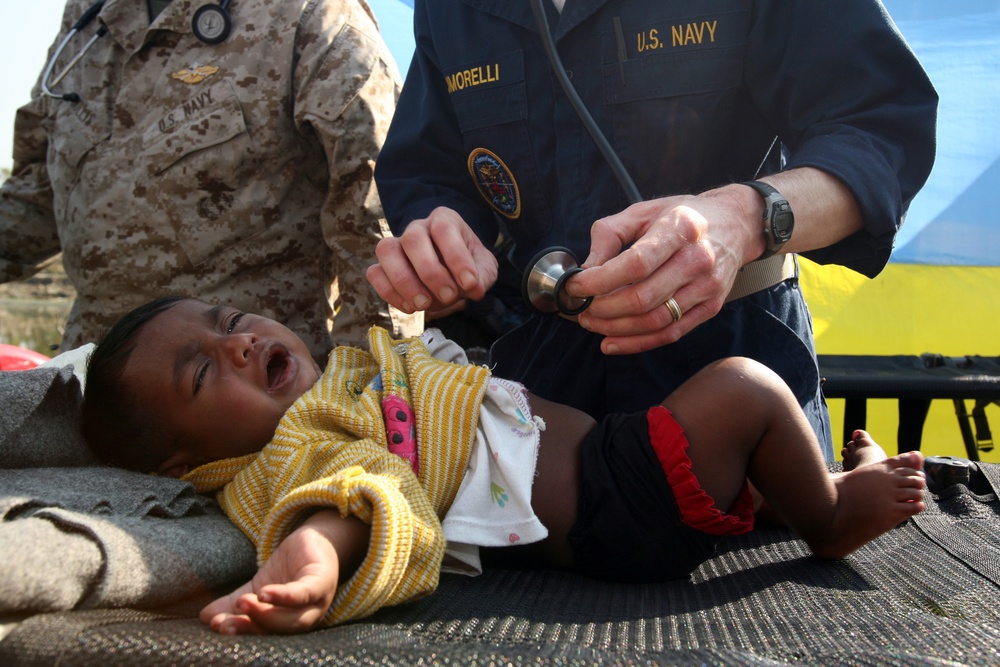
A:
(121, 431)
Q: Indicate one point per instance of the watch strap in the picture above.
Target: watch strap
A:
(773, 201)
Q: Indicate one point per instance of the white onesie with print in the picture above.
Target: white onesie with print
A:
(493, 505)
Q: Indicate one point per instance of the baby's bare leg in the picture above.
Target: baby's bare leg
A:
(556, 489)
(741, 420)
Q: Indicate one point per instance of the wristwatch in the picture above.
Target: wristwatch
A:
(778, 218)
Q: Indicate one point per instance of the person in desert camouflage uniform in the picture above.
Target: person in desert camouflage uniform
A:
(240, 171)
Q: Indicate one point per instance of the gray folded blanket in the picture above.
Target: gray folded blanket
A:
(77, 536)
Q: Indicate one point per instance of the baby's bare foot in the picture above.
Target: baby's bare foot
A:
(873, 499)
(862, 451)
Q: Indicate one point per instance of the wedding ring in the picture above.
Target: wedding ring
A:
(675, 310)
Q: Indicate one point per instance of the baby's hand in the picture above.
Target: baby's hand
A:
(291, 592)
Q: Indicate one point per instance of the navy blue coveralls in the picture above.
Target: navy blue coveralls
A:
(692, 96)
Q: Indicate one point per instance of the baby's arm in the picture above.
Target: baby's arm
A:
(292, 591)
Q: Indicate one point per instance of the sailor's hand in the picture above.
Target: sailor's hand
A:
(435, 263)
(681, 258)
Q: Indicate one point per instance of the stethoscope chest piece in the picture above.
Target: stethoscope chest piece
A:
(211, 23)
(542, 284)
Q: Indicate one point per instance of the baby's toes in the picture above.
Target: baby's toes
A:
(913, 460)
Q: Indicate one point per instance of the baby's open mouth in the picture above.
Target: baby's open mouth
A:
(277, 369)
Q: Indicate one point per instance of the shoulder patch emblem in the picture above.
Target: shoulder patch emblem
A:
(196, 74)
(495, 182)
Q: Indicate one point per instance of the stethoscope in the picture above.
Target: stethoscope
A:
(211, 25)
(542, 283)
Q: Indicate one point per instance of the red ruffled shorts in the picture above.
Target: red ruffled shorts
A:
(642, 515)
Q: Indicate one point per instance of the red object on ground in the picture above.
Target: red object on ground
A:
(14, 358)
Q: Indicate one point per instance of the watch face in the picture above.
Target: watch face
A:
(782, 221)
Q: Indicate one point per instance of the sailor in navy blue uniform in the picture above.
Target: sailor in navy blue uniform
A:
(823, 103)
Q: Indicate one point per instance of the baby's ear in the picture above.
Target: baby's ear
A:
(177, 465)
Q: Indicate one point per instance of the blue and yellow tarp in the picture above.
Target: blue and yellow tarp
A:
(939, 293)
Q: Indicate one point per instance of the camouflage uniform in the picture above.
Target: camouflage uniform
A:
(238, 173)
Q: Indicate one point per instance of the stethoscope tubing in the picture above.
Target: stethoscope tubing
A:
(82, 22)
(610, 156)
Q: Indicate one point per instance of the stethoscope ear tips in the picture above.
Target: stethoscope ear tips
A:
(542, 284)
(211, 23)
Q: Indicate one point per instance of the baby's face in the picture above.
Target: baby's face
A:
(220, 378)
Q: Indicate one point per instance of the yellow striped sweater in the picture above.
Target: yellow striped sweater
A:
(330, 451)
